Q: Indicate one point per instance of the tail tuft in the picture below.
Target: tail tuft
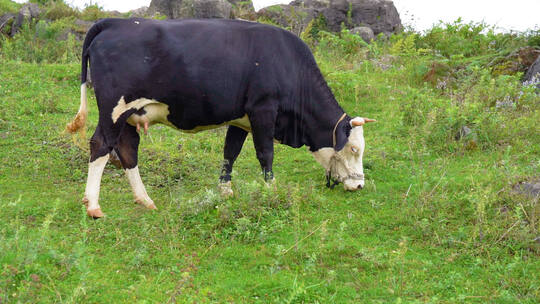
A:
(79, 122)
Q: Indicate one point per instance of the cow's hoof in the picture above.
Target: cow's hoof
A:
(270, 182)
(95, 213)
(225, 189)
(147, 204)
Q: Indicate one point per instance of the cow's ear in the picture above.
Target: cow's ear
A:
(342, 135)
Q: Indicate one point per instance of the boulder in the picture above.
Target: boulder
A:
(532, 77)
(365, 32)
(381, 16)
(6, 21)
(176, 9)
(28, 13)
(139, 12)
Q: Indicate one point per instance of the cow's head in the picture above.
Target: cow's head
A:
(343, 162)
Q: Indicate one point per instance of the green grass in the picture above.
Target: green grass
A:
(437, 221)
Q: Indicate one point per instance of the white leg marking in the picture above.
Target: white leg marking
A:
(91, 195)
(139, 192)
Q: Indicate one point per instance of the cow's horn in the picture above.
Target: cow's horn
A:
(360, 121)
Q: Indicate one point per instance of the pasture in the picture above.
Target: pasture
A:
(437, 222)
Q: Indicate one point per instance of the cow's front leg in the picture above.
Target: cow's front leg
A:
(263, 125)
(99, 155)
(127, 150)
(233, 145)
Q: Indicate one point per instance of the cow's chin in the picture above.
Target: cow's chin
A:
(353, 184)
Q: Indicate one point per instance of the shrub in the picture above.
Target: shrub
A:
(8, 6)
(93, 12)
(59, 9)
(43, 43)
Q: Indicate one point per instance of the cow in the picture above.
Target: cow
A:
(194, 75)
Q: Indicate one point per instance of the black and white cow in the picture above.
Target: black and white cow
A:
(199, 74)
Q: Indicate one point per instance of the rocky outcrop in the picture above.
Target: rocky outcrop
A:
(5, 22)
(28, 13)
(175, 9)
(381, 16)
(139, 12)
(532, 77)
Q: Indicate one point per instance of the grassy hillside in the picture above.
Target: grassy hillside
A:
(437, 222)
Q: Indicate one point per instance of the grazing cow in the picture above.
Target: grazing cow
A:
(195, 75)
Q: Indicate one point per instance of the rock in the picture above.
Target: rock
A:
(6, 21)
(175, 9)
(530, 189)
(532, 77)
(139, 12)
(365, 32)
(517, 61)
(27, 13)
(381, 16)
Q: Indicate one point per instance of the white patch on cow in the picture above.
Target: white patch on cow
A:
(137, 186)
(155, 113)
(95, 171)
(346, 165)
(242, 122)
(137, 104)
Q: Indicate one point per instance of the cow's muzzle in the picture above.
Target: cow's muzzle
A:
(351, 182)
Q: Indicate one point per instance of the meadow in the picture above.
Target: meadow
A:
(438, 220)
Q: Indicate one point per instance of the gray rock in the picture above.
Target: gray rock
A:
(27, 13)
(532, 77)
(139, 12)
(365, 32)
(175, 9)
(531, 189)
(6, 20)
(379, 15)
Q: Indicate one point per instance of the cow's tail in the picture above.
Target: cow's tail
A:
(79, 121)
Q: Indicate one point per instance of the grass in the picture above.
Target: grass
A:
(437, 222)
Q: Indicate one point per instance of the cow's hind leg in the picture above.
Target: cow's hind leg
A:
(233, 145)
(126, 149)
(99, 155)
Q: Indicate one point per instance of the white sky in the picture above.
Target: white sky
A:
(518, 15)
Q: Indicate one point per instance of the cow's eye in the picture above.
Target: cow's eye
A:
(354, 149)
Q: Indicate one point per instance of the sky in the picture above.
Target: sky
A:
(517, 15)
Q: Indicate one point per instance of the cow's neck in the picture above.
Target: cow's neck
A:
(326, 114)
(311, 120)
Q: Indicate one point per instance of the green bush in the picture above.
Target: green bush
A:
(8, 6)
(344, 44)
(42, 43)
(59, 9)
(93, 12)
